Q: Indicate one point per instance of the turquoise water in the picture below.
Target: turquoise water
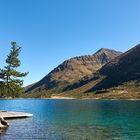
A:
(73, 120)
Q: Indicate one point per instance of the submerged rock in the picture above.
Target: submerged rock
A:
(3, 123)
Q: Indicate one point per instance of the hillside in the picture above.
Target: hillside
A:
(124, 68)
(118, 79)
(72, 70)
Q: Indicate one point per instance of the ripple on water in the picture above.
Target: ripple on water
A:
(73, 120)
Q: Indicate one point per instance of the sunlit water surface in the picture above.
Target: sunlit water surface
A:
(73, 120)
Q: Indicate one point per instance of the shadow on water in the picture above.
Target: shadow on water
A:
(3, 131)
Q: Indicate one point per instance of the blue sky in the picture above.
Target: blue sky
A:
(51, 31)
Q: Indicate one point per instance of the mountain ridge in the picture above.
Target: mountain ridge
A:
(122, 69)
(117, 79)
(74, 69)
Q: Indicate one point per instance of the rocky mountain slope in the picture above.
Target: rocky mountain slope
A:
(122, 69)
(74, 69)
(118, 79)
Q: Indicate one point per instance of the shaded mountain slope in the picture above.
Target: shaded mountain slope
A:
(72, 70)
(124, 68)
(129, 90)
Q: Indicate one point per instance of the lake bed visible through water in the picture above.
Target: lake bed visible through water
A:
(73, 119)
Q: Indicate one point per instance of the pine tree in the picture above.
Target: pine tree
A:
(11, 77)
(2, 85)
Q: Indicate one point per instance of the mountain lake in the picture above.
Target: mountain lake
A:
(73, 119)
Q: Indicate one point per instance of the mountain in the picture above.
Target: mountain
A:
(74, 69)
(124, 68)
(118, 79)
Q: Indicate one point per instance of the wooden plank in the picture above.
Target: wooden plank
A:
(12, 115)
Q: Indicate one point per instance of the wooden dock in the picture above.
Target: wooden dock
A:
(12, 115)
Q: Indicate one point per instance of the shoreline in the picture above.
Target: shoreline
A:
(72, 98)
(61, 97)
(69, 98)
